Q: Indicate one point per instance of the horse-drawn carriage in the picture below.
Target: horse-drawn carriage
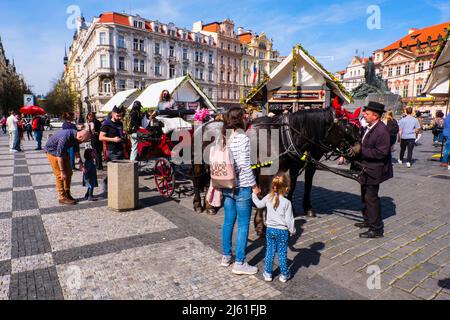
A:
(156, 144)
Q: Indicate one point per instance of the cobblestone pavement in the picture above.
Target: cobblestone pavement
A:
(164, 250)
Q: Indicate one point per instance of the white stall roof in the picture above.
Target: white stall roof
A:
(117, 100)
(182, 89)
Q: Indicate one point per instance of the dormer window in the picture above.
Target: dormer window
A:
(139, 24)
(156, 28)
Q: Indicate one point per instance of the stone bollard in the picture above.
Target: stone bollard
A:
(123, 185)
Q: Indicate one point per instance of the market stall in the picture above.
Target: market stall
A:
(299, 82)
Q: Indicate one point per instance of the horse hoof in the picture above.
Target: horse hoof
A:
(211, 212)
(311, 214)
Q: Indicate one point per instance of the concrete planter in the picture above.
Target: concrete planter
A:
(123, 185)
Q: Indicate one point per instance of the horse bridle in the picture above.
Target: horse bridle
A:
(291, 149)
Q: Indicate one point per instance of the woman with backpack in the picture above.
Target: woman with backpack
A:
(238, 200)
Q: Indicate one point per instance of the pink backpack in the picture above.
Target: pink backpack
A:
(222, 167)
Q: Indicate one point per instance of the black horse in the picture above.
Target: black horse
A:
(304, 136)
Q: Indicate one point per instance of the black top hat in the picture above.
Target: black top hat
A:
(376, 107)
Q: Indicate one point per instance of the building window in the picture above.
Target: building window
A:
(421, 66)
(210, 75)
(185, 54)
(122, 85)
(211, 55)
(419, 89)
(229, 94)
(407, 69)
(221, 60)
(103, 61)
(171, 51)
(107, 86)
(229, 61)
(235, 77)
(157, 69)
(135, 44)
(185, 71)
(156, 28)
(142, 66)
(121, 63)
(228, 76)
(103, 38)
(399, 70)
(405, 91)
(136, 65)
(157, 48)
(222, 76)
(138, 24)
(229, 47)
(235, 95)
(121, 42)
(141, 45)
(245, 79)
(390, 72)
(261, 55)
(137, 84)
(171, 71)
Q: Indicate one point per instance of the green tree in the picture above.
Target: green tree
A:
(12, 89)
(60, 99)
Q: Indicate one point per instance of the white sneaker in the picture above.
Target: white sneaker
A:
(400, 161)
(408, 165)
(244, 269)
(226, 261)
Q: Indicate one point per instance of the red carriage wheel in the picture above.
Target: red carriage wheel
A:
(164, 177)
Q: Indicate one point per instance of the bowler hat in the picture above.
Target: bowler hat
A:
(376, 107)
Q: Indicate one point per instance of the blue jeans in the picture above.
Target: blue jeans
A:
(237, 205)
(38, 137)
(72, 157)
(277, 242)
(445, 158)
(134, 146)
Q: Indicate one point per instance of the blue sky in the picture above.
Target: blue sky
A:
(34, 32)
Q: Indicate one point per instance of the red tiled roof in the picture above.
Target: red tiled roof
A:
(116, 18)
(422, 35)
(212, 27)
(245, 37)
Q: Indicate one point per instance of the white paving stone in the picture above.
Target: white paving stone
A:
(40, 169)
(7, 170)
(30, 263)
(6, 182)
(5, 201)
(5, 239)
(160, 271)
(83, 227)
(4, 287)
(48, 197)
(42, 179)
(6, 162)
(25, 213)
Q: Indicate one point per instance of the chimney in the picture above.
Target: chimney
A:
(412, 30)
(197, 26)
(240, 31)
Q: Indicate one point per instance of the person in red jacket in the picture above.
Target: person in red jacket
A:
(38, 129)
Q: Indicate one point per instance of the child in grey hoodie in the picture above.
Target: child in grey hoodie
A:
(280, 222)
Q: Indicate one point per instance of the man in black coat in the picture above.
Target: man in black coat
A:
(376, 159)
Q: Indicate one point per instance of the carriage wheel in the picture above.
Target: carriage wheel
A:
(164, 177)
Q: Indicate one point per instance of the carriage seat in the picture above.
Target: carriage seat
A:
(174, 124)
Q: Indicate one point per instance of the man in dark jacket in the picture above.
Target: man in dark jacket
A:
(136, 124)
(376, 159)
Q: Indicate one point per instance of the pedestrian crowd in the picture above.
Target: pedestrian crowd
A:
(107, 141)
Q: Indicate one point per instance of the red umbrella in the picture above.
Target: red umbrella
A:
(33, 110)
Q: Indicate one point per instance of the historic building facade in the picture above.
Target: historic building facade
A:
(117, 52)
(6, 67)
(405, 65)
(259, 59)
(229, 58)
(353, 76)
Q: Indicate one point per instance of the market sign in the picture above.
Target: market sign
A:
(298, 96)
